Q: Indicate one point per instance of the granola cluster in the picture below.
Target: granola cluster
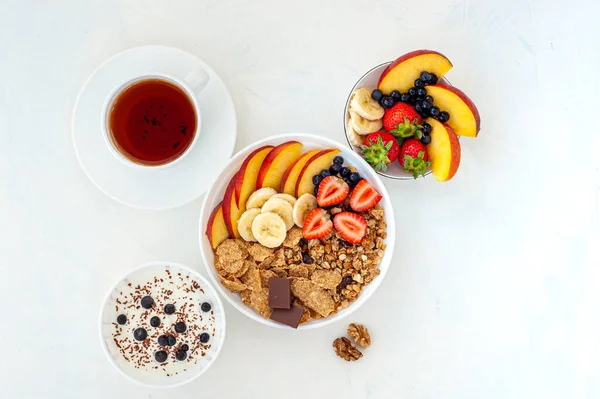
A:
(326, 274)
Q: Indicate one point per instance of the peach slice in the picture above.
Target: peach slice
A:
(245, 183)
(315, 165)
(401, 74)
(464, 116)
(443, 150)
(231, 212)
(290, 177)
(216, 230)
(276, 163)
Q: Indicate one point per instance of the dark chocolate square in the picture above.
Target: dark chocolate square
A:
(280, 296)
(289, 317)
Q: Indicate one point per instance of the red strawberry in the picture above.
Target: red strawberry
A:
(364, 197)
(380, 149)
(317, 224)
(402, 121)
(352, 227)
(332, 191)
(414, 158)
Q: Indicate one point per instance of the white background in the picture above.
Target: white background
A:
(494, 288)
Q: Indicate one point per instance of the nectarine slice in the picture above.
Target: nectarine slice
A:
(216, 230)
(401, 74)
(231, 212)
(276, 163)
(247, 175)
(315, 165)
(464, 116)
(290, 177)
(443, 150)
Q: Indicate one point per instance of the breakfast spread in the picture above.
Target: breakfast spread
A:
(412, 118)
(163, 322)
(297, 235)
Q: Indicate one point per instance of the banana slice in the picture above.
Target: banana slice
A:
(354, 138)
(282, 208)
(269, 229)
(364, 105)
(362, 125)
(304, 204)
(258, 198)
(245, 224)
(287, 197)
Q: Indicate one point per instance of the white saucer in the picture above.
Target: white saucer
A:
(168, 187)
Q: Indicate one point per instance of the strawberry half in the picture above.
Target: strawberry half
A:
(317, 224)
(332, 191)
(350, 226)
(364, 197)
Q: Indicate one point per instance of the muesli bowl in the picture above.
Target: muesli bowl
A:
(378, 252)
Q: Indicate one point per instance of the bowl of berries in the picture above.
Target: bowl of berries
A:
(405, 118)
(297, 231)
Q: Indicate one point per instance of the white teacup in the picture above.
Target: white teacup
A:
(191, 85)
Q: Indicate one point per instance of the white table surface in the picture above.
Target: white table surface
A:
(493, 292)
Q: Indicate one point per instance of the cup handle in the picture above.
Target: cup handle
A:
(197, 80)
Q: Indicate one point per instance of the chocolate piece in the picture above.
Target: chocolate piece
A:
(289, 317)
(280, 296)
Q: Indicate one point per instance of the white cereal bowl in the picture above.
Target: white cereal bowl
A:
(150, 379)
(310, 141)
(370, 80)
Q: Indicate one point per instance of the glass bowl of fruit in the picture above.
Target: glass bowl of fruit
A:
(404, 118)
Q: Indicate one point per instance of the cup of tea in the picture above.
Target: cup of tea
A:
(153, 121)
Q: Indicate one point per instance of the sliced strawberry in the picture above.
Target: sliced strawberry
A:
(364, 197)
(317, 224)
(351, 226)
(332, 191)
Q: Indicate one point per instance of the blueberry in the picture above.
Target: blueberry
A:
(429, 98)
(412, 91)
(163, 340)
(355, 177)
(419, 83)
(316, 190)
(155, 321)
(404, 97)
(171, 340)
(387, 102)
(444, 116)
(121, 319)
(180, 327)
(335, 169)
(338, 160)
(376, 94)
(317, 180)
(434, 111)
(425, 77)
(426, 128)
(140, 334)
(412, 100)
(345, 172)
(185, 347)
(206, 307)
(395, 95)
(204, 337)
(324, 173)
(147, 302)
(419, 108)
(421, 92)
(434, 79)
(426, 140)
(169, 308)
(161, 356)
(180, 355)
(426, 104)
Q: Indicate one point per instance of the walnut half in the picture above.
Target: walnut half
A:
(344, 349)
(360, 334)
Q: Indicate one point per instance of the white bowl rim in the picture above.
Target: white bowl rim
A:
(363, 297)
(136, 269)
